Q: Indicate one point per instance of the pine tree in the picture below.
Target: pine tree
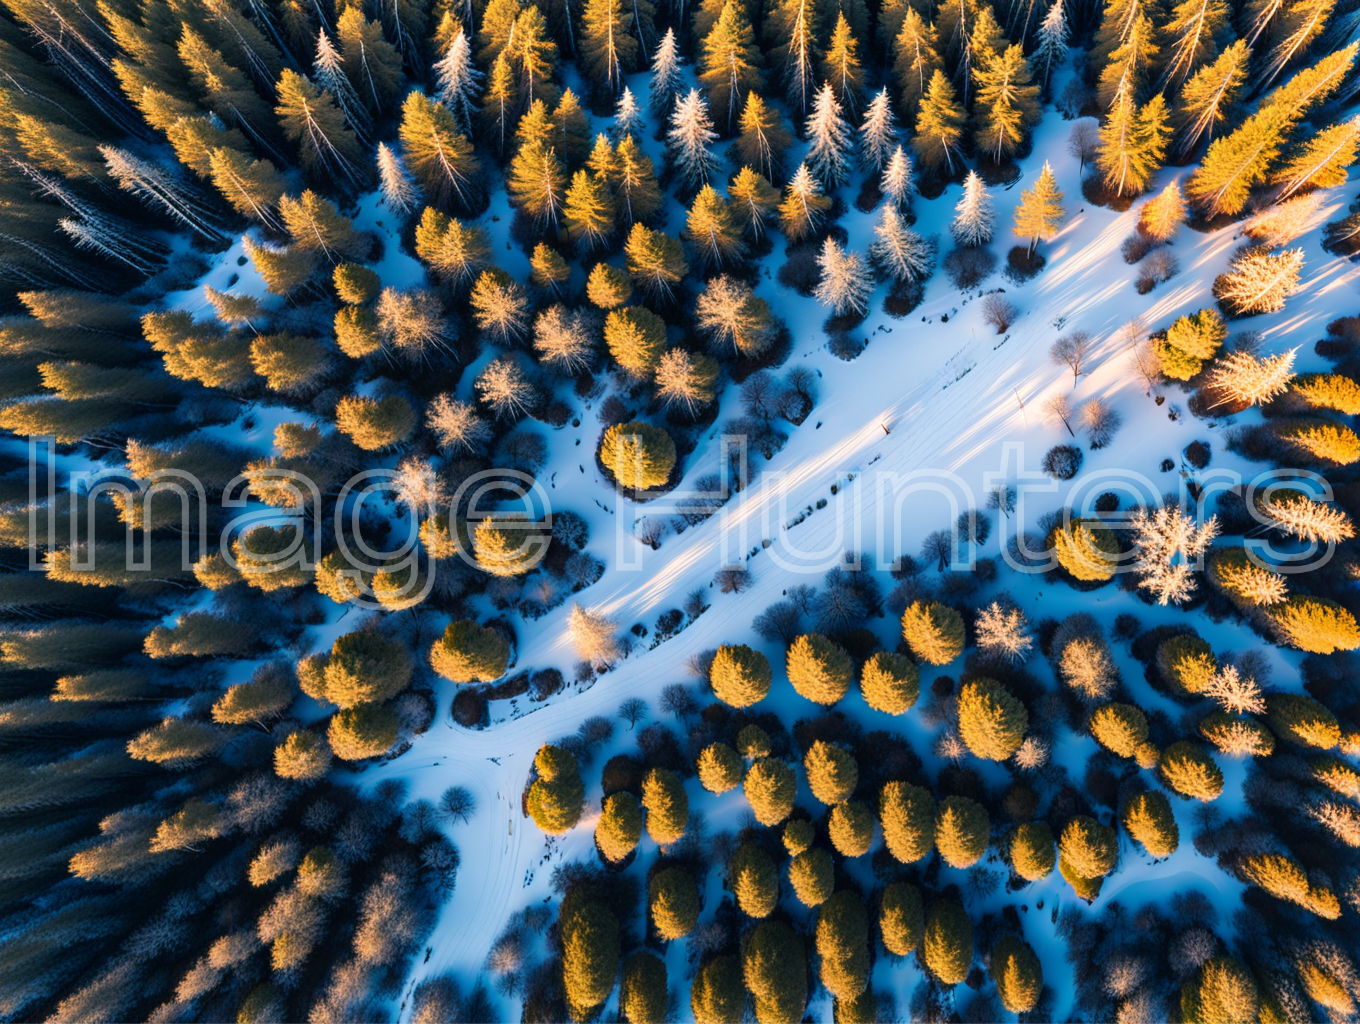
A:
(638, 455)
(316, 224)
(843, 945)
(1051, 51)
(1190, 38)
(589, 937)
(992, 722)
(1007, 104)
(469, 653)
(962, 831)
(375, 424)
(753, 200)
(690, 139)
(1285, 879)
(775, 965)
(1130, 64)
(764, 137)
(1132, 143)
(1188, 769)
(534, 55)
(819, 669)
(730, 64)
(1163, 214)
(712, 231)
(770, 787)
(804, 205)
(1017, 974)
(841, 67)
(251, 187)
(933, 631)
(901, 918)
(628, 120)
(1223, 990)
(1322, 161)
(1120, 728)
(589, 211)
(719, 768)
(537, 183)
(878, 134)
(740, 675)
(1087, 851)
(851, 829)
(754, 881)
(686, 380)
(636, 337)
(634, 182)
(915, 61)
(737, 321)
(460, 83)
(440, 158)
(1297, 25)
(556, 796)
(974, 218)
(846, 282)
(939, 126)
(370, 62)
(663, 796)
(455, 251)
(399, 191)
(908, 816)
(642, 987)
(311, 119)
(890, 683)
(673, 900)
(828, 157)
(549, 269)
(947, 943)
(499, 102)
(1032, 851)
(666, 80)
(608, 49)
(329, 72)
(897, 182)
(812, 874)
(898, 251)
(794, 26)
(1258, 281)
(1041, 211)
(718, 994)
(1207, 96)
(655, 261)
(1148, 819)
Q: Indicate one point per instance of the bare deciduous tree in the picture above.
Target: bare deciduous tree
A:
(1057, 409)
(1100, 421)
(1083, 142)
(1074, 351)
(999, 312)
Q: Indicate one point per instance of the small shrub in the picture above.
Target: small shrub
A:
(967, 268)
(1062, 461)
(1136, 246)
(999, 312)
(1197, 454)
(1021, 264)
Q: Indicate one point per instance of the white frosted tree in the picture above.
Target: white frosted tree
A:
(1003, 631)
(690, 140)
(329, 73)
(1051, 50)
(162, 190)
(399, 190)
(627, 116)
(898, 251)
(563, 339)
(878, 134)
(829, 156)
(505, 389)
(457, 427)
(1167, 543)
(1243, 377)
(846, 281)
(974, 217)
(1302, 517)
(1235, 692)
(594, 635)
(460, 83)
(898, 181)
(1259, 281)
(666, 79)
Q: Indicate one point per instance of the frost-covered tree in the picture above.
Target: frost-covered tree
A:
(667, 79)
(399, 190)
(690, 140)
(1167, 541)
(974, 217)
(878, 134)
(1003, 631)
(460, 83)
(594, 635)
(1051, 51)
(627, 116)
(505, 389)
(804, 205)
(828, 156)
(1302, 517)
(565, 339)
(1244, 377)
(846, 282)
(456, 426)
(329, 73)
(898, 251)
(897, 182)
(685, 380)
(1258, 281)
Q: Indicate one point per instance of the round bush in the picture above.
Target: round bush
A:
(1062, 461)
(638, 455)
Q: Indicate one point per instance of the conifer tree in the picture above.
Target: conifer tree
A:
(933, 631)
(729, 67)
(634, 182)
(455, 251)
(369, 60)
(628, 120)
(753, 201)
(841, 66)
(636, 337)
(1224, 989)
(712, 231)
(1007, 104)
(901, 918)
(764, 137)
(718, 994)
(1163, 214)
(534, 55)
(812, 875)
(740, 675)
(329, 72)
(608, 48)
(589, 936)
(311, 119)
(673, 900)
(1032, 851)
(689, 141)
(992, 722)
(851, 829)
(846, 283)
(1130, 64)
(556, 796)
(1148, 819)
(316, 225)
(537, 183)
(1132, 143)
(663, 796)
(831, 772)
(638, 455)
(908, 816)
(588, 211)
(754, 881)
(770, 787)
(890, 683)
(251, 187)
(974, 218)
(1188, 769)
(962, 831)
(1207, 96)
(719, 768)
(804, 205)
(548, 268)
(775, 967)
(1120, 729)
(828, 157)
(1190, 39)
(500, 102)
(843, 944)
(460, 83)
(1285, 879)
(819, 669)
(878, 134)
(440, 158)
(469, 653)
(666, 80)
(1322, 161)
(399, 190)
(736, 320)
(899, 252)
(915, 60)
(1017, 974)
(368, 730)
(795, 27)
(1051, 50)
(686, 380)
(655, 261)
(1295, 28)
(642, 987)
(620, 826)
(1041, 211)
(939, 127)
(947, 943)
(897, 183)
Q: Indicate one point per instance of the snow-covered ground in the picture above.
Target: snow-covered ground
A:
(936, 409)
